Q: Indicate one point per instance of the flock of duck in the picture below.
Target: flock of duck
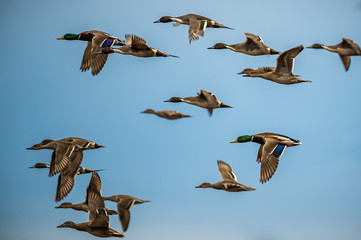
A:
(67, 153)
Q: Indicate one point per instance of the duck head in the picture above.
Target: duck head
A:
(164, 19)
(150, 111)
(204, 185)
(69, 36)
(316, 46)
(174, 99)
(218, 46)
(65, 205)
(40, 145)
(244, 138)
(40, 165)
(67, 224)
(246, 71)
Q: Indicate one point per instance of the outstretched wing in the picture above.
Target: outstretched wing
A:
(124, 213)
(269, 155)
(61, 157)
(67, 176)
(136, 42)
(226, 171)
(196, 27)
(285, 61)
(98, 216)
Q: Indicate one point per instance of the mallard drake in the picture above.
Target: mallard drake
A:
(272, 147)
(138, 47)
(124, 203)
(83, 207)
(204, 99)
(197, 24)
(283, 72)
(81, 170)
(345, 50)
(96, 41)
(98, 224)
(229, 181)
(253, 45)
(167, 114)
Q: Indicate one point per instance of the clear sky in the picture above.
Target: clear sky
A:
(314, 194)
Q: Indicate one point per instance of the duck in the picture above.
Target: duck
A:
(96, 231)
(96, 41)
(283, 73)
(98, 224)
(61, 154)
(272, 147)
(253, 45)
(167, 114)
(66, 159)
(83, 207)
(345, 50)
(197, 24)
(81, 170)
(138, 47)
(62, 151)
(204, 99)
(124, 203)
(229, 181)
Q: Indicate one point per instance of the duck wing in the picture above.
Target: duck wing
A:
(124, 213)
(196, 27)
(92, 59)
(136, 42)
(269, 154)
(348, 43)
(253, 42)
(60, 157)
(346, 60)
(67, 176)
(209, 97)
(98, 216)
(285, 60)
(226, 171)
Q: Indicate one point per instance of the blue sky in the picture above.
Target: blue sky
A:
(315, 193)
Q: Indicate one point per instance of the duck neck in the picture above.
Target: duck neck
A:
(257, 139)
(85, 36)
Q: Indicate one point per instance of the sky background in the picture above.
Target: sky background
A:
(315, 192)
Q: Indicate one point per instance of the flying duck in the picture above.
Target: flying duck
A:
(272, 147)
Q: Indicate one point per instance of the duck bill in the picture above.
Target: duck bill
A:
(60, 226)
(158, 21)
(59, 38)
(296, 144)
(198, 186)
(211, 47)
(234, 141)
